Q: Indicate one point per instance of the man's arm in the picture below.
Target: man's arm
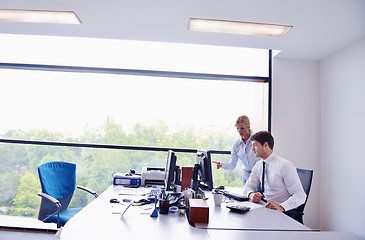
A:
(294, 187)
(253, 181)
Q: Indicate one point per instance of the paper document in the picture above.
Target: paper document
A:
(251, 205)
(134, 191)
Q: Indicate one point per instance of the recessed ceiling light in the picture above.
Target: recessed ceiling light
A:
(39, 16)
(236, 27)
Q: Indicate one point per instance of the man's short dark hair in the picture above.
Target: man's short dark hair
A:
(262, 137)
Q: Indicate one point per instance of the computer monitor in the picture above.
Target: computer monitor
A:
(170, 170)
(203, 170)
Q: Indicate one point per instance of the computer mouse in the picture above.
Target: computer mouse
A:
(220, 187)
(114, 200)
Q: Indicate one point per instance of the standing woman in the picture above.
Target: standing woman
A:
(241, 150)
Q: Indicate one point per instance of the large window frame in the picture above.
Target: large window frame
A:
(141, 73)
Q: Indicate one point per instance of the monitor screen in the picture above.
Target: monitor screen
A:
(205, 175)
(170, 170)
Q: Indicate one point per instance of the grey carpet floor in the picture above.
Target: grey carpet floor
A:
(26, 235)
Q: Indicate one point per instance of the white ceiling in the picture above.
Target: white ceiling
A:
(320, 27)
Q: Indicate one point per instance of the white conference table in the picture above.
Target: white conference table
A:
(257, 218)
(96, 221)
(215, 234)
(102, 220)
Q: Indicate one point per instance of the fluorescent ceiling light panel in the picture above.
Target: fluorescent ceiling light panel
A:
(38, 16)
(235, 27)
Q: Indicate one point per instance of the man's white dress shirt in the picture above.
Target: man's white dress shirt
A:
(281, 184)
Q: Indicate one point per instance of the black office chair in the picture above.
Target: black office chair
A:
(58, 181)
(305, 177)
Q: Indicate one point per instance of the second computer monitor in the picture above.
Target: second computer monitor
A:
(205, 174)
(170, 170)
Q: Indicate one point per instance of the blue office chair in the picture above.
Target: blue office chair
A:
(58, 180)
(305, 177)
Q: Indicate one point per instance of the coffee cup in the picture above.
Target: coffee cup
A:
(218, 198)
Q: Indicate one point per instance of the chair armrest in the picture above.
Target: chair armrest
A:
(49, 198)
(55, 202)
(88, 190)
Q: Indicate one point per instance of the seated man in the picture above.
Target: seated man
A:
(280, 184)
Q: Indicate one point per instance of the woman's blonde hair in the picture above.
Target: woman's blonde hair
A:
(244, 120)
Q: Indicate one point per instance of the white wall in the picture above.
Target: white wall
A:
(318, 118)
(296, 122)
(342, 88)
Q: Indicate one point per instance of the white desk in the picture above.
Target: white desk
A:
(260, 218)
(96, 221)
(280, 235)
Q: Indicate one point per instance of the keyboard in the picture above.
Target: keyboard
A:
(238, 208)
(155, 192)
(235, 196)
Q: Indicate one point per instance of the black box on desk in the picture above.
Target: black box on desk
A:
(198, 211)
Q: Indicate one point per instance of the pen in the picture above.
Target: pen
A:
(138, 204)
(163, 194)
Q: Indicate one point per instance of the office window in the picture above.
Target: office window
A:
(71, 104)
(119, 109)
(116, 109)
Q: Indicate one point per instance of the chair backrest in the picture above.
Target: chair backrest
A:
(305, 177)
(58, 179)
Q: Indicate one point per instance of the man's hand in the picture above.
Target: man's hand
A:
(255, 197)
(273, 205)
(219, 164)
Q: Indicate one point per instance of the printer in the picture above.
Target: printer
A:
(152, 176)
